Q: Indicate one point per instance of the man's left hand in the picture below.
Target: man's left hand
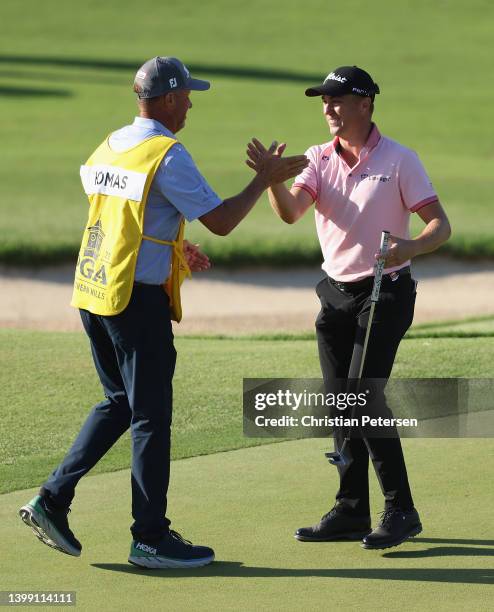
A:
(270, 163)
(195, 258)
(399, 251)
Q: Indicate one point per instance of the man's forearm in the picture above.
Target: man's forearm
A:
(434, 234)
(234, 209)
(283, 203)
(270, 171)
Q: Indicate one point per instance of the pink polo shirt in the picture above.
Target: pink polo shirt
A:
(354, 205)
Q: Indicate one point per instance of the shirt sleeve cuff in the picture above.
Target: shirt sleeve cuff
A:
(211, 205)
(423, 203)
(306, 188)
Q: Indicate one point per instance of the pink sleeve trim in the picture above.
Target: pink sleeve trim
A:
(306, 188)
(423, 203)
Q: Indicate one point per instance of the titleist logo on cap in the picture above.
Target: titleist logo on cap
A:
(335, 77)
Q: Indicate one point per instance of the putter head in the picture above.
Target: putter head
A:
(336, 458)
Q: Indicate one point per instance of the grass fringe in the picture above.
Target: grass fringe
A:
(271, 254)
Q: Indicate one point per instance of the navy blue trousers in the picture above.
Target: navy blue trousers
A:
(135, 359)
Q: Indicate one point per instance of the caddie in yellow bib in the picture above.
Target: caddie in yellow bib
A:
(141, 184)
(117, 185)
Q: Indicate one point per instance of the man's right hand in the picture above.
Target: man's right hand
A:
(270, 165)
(271, 171)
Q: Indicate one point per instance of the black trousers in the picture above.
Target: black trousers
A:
(135, 359)
(341, 326)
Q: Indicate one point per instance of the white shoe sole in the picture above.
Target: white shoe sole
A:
(167, 563)
(45, 532)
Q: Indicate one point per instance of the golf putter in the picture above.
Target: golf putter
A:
(338, 457)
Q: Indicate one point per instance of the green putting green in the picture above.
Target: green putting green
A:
(247, 504)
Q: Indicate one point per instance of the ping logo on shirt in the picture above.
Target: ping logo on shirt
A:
(113, 181)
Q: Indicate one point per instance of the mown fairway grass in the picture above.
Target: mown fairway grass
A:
(49, 384)
(65, 79)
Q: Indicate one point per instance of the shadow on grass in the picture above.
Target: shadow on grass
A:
(54, 76)
(441, 551)
(235, 569)
(252, 72)
(33, 92)
(445, 551)
(455, 541)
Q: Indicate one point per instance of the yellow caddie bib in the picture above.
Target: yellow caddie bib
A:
(117, 185)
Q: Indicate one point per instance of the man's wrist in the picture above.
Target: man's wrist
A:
(415, 247)
(261, 182)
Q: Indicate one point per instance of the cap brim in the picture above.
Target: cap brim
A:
(326, 89)
(198, 85)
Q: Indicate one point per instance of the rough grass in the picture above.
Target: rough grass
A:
(49, 384)
(65, 83)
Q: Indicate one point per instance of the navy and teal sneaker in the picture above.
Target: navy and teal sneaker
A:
(50, 526)
(171, 551)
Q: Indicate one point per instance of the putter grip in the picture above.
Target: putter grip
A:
(380, 266)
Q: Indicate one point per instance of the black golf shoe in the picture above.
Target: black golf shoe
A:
(394, 528)
(335, 525)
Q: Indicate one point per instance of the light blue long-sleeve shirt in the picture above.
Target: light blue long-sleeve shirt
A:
(178, 190)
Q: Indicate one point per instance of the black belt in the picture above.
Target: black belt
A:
(139, 284)
(368, 281)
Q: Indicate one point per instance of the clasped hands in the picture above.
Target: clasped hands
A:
(195, 258)
(280, 169)
(271, 168)
(270, 165)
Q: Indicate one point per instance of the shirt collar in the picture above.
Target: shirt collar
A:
(145, 122)
(371, 142)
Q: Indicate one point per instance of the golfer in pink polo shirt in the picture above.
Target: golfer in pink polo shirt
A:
(360, 184)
